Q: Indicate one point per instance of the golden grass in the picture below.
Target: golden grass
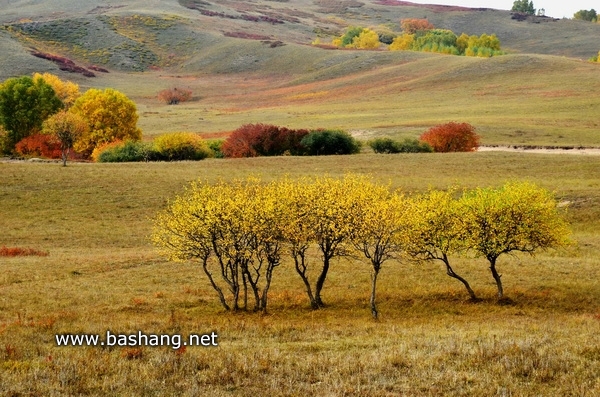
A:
(102, 273)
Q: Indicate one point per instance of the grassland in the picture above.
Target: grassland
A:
(94, 219)
(102, 273)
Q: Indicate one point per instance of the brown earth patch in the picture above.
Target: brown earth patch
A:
(433, 7)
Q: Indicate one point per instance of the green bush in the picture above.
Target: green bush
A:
(128, 151)
(414, 146)
(388, 145)
(216, 146)
(326, 142)
(181, 146)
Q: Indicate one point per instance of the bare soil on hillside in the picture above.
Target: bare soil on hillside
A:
(545, 150)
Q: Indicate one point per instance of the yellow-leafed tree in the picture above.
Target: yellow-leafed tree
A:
(67, 128)
(436, 232)
(517, 217)
(66, 91)
(366, 40)
(110, 116)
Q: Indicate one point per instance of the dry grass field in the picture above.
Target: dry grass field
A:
(102, 274)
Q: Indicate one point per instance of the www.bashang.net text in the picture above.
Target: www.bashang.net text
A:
(137, 339)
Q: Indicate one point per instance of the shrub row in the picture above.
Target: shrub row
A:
(169, 147)
(252, 140)
(388, 145)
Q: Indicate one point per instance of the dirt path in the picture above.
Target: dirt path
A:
(524, 149)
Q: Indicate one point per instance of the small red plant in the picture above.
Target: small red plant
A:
(452, 137)
(17, 251)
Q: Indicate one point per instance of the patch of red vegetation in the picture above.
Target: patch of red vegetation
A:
(244, 35)
(64, 63)
(17, 251)
(433, 7)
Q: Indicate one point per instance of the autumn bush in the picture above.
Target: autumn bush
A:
(252, 140)
(181, 146)
(414, 25)
(388, 146)
(110, 116)
(328, 142)
(39, 145)
(216, 146)
(452, 137)
(358, 38)
(175, 95)
(121, 152)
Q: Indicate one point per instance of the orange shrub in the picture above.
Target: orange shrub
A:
(412, 25)
(172, 96)
(104, 146)
(39, 145)
(452, 137)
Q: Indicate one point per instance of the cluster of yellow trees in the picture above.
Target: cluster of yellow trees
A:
(240, 232)
(419, 35)
(77, 121)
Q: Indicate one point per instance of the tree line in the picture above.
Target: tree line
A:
(418, 35)
(241, 232)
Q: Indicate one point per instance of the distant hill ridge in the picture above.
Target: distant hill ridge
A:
(142, 35)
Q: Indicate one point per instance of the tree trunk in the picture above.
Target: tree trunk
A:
(299, 261)
(214, 285)
(497, 276)
(450, 272)
(376, 268)
(65, 155)
(265, 291)
(321, 281)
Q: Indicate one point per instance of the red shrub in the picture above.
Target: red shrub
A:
(172, 96)
(39, 145)
(251, 140)
(452, 137)
(17, 251)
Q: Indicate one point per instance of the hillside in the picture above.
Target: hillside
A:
(251, 61)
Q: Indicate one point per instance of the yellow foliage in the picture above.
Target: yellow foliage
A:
(403, 42)
(366, 40)
(110, 116)
(66, 91)
(182, 146)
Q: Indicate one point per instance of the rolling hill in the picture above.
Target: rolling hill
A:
(251, 61)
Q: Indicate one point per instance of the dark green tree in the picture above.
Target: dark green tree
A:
(24, 105)
(586, 15)
(523, 6)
